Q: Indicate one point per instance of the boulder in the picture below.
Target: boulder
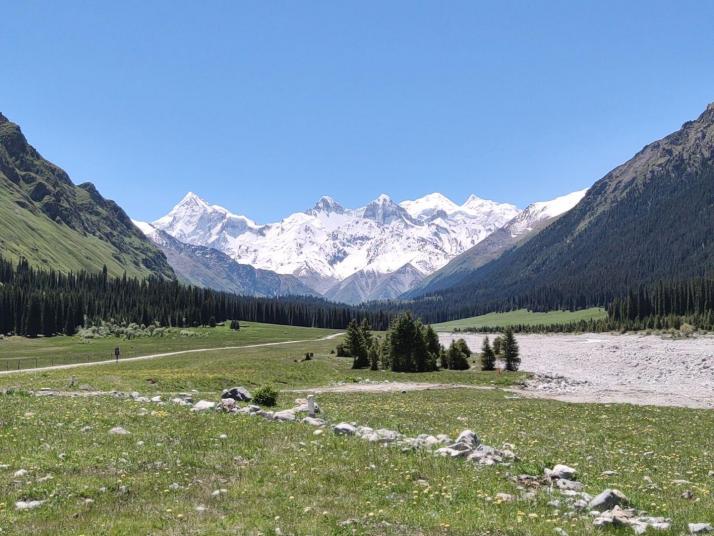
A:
(700, 528)
(607, 500)
(27, 505)
(203, 405)
(312, 421)
(565, 484)
(561, 471)
(344, 428)
(285, 415)
(469, 439)
(227, 404)
(239, 394)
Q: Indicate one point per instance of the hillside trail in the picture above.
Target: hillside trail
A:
(167, 354)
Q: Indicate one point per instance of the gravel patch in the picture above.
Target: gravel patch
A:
(613, 368)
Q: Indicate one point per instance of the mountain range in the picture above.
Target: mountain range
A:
(647, 221)
(650, 219)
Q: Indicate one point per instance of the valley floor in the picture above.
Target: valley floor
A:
(613, 368)
(64, 468)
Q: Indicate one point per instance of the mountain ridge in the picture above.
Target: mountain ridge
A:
(55, 224)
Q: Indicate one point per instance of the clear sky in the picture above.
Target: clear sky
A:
(264, 106)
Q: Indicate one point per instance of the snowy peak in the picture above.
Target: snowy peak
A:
(427, 206)
(329, 243)
(327, 205)
(542, 211)
(385, 211)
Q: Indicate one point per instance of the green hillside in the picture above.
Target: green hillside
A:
(522, 317)
(56, 224)
(649, 220)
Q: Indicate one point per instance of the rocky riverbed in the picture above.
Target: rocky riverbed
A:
(603, 367)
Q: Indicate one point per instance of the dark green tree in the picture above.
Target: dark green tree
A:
(497, 343)
(356, 344)
(488, 357)
(456, 357)
(510, 351)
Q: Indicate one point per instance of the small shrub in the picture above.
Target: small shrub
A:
(266, 395)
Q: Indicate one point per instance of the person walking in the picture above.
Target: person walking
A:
(117, 353)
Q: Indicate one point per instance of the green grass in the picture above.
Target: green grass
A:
(39, 352)
(280, 478)
(211, 371)
(522, 317)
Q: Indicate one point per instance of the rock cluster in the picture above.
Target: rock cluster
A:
(638, 521)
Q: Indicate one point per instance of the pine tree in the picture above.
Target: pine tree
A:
(488, 357)
(374, 354)
(456, 357)
(510, 351)
(356, 344)
(461, 344)
(497, 343)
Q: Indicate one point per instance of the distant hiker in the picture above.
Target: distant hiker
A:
(116, 354)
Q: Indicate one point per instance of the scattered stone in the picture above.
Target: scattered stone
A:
(219, 492)
(344, 428)
(223, 436)
(688, 495)
(608, 499)
(608, 473)
(227, 404)
(313, 421)
(156, 398)
(175, 486)
(572, 485)
(28, 505)
(561, 471)
(85, 429)
(119, 430)
(468, 438)
(700, 528)
(200, 508)
(505, 497)
(203, 405)
(303, 406)
(239, 394)
(285, 415)
(20, 473)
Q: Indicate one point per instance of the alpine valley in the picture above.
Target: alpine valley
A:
(376, 252)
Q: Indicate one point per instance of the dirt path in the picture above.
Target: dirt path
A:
(386, 387)
(609, 368)
(166, 354)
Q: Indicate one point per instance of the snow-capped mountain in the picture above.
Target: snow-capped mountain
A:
(207, 267)
(526, 224)
(329, 243)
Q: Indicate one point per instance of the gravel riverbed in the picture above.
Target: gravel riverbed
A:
(604, 367)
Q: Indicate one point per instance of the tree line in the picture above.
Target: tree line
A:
(411, 346)
(36, 302)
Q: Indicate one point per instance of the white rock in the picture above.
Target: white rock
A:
(20, 473)
(285, 415)
(561, 471)
(119, 430)
(608, 499)
(700, 528)
(344, 428)
(467, 437)
(156, 398)
(203, 405)
(27, 505)
(313, 421)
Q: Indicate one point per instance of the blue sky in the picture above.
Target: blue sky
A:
(265, 106)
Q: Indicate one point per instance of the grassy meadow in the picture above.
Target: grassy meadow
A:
(280, 478)
(522, 317)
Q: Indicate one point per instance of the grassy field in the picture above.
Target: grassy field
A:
(281, 479)
(523, 317)
(39, 352)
